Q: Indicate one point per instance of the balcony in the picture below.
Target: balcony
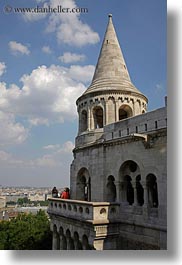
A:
(93, 212)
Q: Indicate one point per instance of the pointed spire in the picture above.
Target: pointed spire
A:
(111, 70)
(111, 63)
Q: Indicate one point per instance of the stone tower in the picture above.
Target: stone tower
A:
(111, 96)
(118, 183)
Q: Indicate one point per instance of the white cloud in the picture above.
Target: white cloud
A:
(46, 49)
(41, 1)
(11, 132)
(18, 48)
(57, 148)
(159, 89)
(82, 73)
(68, 27)
(48, 94)
(58, 156)
(51, 147)
(45, 161)
(7, 159)
(36, 15)
(4, 156)
(67, 147)
(69, 57)
(2, 68)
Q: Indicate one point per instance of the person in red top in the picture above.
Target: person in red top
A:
(65, 194)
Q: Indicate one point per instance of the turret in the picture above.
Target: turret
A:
(111, 96)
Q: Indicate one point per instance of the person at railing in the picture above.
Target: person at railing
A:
(54, 193)
(65, 194)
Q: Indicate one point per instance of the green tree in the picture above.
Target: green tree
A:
(26, 232)
(22, 201)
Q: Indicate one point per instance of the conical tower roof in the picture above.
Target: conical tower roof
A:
(111, 71)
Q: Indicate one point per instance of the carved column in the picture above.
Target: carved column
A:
(145, 194)
(118, 191)
(135, 194)
(116, 110)
(79, 122)
(123, 196)
(54, 241)
(68, 243)
(61, 242)
(105, 122)
(89, 120)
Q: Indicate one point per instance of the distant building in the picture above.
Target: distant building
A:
(7, 215)
(48, 196)
(14, 197)
(119, 173)
(2, 201)
(37, 197)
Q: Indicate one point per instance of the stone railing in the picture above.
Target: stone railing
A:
(137, 125)
(88, 137)
(95, 212)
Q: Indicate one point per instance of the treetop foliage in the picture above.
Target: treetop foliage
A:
(26, 232)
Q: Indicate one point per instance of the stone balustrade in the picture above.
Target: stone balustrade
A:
(88, 137)
(94, 212)
(137, 125)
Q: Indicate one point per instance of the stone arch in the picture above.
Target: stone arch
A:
(83, 120)
(141, 169)
(55, 238)
(54, 228)
(61, 231)
(129, 167)
(125, 111)
(128, 172)
(85, 243)
(83, 185)
(152, 190)
(77, 243)
(63, 243)
(139, 191)
(129, 189)
(69, 240)
(98, 117)
(110, 189)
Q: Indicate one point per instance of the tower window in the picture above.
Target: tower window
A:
(98, 117)
(83, 121)
(124, 112)
(111, 189)
(145, 127)
(156, 125)
(152, 189)
(129, 190)
(136, 129)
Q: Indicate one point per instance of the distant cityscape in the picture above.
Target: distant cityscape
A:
(14, 200)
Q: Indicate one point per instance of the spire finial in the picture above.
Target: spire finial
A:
(110, 15)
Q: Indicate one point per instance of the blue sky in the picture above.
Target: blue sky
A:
(48, 60)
